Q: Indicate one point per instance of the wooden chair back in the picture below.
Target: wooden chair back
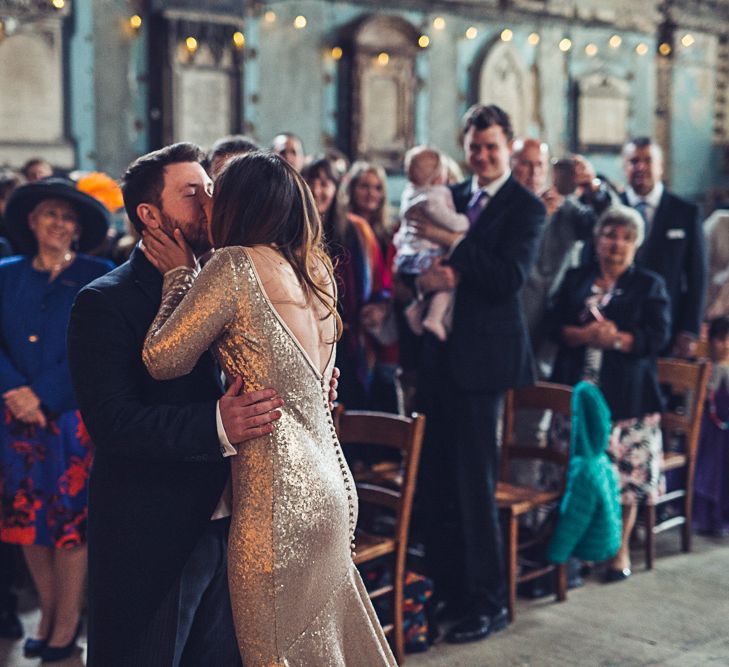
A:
(515, 501)
(541, 396)
(389, 485)
(687, 381)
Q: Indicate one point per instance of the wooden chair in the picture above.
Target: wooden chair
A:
(515, 501)
(390, 486)
(687, 380)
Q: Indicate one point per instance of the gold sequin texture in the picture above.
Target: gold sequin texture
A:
(297, 597)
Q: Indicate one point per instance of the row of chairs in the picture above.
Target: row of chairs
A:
(391, 485)
(686, 382)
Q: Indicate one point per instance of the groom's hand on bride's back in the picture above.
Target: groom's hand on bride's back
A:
(248, 415)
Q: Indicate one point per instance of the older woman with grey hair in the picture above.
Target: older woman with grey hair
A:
(610, 318)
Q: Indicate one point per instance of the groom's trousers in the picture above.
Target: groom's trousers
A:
(194, 625)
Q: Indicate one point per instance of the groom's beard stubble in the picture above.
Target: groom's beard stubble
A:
(194, 233)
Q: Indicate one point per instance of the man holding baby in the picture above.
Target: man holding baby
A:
(465, 371)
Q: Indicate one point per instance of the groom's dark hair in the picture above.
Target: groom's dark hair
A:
(143, 181)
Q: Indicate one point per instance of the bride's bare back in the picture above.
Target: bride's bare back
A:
(307, 318)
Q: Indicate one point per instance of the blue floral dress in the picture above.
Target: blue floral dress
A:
(43, 471)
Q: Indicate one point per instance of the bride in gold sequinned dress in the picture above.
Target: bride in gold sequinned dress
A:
(265, 304)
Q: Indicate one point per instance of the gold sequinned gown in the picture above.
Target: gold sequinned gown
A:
(297, 597)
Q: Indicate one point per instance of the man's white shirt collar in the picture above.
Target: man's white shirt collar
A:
(492, 188)
(653, 198)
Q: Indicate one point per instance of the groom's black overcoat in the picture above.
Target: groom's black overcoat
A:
(158, 473)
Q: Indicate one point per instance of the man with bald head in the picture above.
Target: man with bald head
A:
(674, 245)
(530, 164)
(290, 148)
(568, 221)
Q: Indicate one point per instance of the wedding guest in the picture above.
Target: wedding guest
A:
(45, 451)
(674, 243)
(568, 224)
(461, 381)
(363, 196)
(711, 484)
(290, 148)
(227, 147)
(35, 169)
(362, 281)
(366, 196)
(610, 319)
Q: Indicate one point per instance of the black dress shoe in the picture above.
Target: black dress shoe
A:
(32, 648)
(477, 626)
(611, 576)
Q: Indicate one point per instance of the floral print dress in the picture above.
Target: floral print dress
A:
(43, 478)
(43, 471)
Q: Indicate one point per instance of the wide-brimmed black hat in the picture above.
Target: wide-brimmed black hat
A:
(93, 216)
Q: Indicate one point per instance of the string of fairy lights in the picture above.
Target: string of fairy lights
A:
(269, 17)
(565, 44)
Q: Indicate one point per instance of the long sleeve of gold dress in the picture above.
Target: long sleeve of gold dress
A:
(297, 597)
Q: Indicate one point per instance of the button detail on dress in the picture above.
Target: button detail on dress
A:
(33, 338)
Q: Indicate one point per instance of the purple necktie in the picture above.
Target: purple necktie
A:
(476, 204)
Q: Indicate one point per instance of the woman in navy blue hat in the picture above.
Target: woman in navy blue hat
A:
(45, 451)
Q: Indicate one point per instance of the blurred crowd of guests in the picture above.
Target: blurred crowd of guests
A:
(530, 268)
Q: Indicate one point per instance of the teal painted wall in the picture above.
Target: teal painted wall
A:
(82, 92)
(291, 83)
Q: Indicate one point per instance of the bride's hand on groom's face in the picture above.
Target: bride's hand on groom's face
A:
(166, 252)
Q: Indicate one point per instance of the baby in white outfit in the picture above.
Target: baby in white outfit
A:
(426, 190)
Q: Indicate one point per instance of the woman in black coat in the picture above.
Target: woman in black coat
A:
(610, 319)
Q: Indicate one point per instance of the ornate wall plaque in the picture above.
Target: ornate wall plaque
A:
(383, 90)
(603, 104)
(197, 87)
(33, 108)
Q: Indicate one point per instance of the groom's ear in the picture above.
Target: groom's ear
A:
(148, 213)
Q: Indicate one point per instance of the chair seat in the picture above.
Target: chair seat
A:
(369, 546)
(674, 460)
(388, 475)
(521, 499)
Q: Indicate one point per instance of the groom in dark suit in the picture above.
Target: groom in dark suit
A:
(158, 507)
(461, 382)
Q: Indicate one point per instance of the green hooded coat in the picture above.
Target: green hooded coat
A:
(590, 519)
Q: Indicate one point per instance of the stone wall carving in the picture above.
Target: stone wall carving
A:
(505, 81)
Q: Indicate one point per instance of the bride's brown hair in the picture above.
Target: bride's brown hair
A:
(260, 200)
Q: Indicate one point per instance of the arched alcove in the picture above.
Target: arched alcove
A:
(499, 76)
